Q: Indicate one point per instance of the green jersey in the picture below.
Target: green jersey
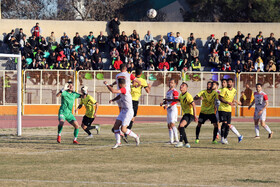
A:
(67, 101)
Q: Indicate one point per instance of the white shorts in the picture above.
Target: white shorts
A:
(172, 114)
(262, 117)
(125, 116)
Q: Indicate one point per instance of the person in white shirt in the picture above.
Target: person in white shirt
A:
(261, 103)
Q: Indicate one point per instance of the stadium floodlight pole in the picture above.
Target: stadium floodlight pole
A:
(19, 124)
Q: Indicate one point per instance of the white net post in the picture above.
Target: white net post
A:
(19, 86)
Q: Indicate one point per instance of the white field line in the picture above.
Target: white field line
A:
(106, 183)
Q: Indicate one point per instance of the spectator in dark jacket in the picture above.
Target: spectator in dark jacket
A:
(101, 41)
(238, 67)
(77, 39)
(20, 35)
(114, 26)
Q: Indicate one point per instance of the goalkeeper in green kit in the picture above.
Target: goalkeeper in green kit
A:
(68, 97)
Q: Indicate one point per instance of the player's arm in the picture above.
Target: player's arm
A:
(96, 108)
(171, 100)
(163, 103)
(194, 111)
(148, 88)
(60, 92)
(265, 105)
(250, 106)
(115, 99)
(111, 89)
(237, 102)
(79, 107)
(175, 96)
(114, 83)
(197, 97)
(221, 98)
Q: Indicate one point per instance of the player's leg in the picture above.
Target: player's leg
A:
(127, 131)
(59, 130)
(233, 129)
(183, 136)
(172, 125)
(257, 128)
(170, 131)
(135, 109)
(61, 119)
(214, 121)
(116, 127)
(263, 124)
(223, 121)
(75, 124)
(185, 121)
(201, 120)
(219, 125)
(85, 124)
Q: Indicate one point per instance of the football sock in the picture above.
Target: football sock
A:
(76, 132)
(59, 129)
(197, 132)
(223, 130)
(175, 131)
(131, 133)
(234, 130)
(117, 136)
(183, 135)
(257, 130)
(215, 131)
(91, 127)
(266, 127)
(87, 131)
(226, 131)
(130, 125)
(171, 136)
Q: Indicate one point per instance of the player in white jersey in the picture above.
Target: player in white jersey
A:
(172, 111)
(127, 77)
(261, 103)
(126, 113)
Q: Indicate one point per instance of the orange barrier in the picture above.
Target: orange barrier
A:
(113, 110)
(270, 112)
(8, 110)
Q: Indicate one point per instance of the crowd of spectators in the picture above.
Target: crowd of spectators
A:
(173, 53)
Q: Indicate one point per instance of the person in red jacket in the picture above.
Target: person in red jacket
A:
(162, 64)
(117, 63)
(226, 67)
(36, 31)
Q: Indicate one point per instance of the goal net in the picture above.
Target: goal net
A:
(10, 94)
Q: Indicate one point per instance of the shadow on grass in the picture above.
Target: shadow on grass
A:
(234, 149)
(255, 181)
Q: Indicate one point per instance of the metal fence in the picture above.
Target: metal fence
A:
(40, 86)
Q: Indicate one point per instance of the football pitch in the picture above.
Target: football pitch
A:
(35, 159)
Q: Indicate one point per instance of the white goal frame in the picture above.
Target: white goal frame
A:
(19, 86)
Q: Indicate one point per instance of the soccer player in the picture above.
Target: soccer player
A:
(172, 111)
(208, 97)
(126, 113)
(89, 102)
(127, 77)
(189, 111)
(136, 91)
(261, 103)
(227, 102)
(68, 97)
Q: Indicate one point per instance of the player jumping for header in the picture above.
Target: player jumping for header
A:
(126, 113)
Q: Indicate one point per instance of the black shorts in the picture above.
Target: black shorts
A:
(204, 117)
(188, 118)
(135, 107)
(87, 121)
(225, 117)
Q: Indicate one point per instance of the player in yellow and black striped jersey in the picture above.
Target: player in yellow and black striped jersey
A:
(207, 112)
(91, 109)
(189, 110)
(227, 102)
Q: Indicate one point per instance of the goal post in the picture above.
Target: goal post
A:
(19, 89)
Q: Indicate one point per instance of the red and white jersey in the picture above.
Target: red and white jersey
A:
(126, 99)
(260, 99)
(172, 94)
(127, 77)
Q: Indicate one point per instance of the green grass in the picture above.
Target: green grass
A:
(35, 159)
